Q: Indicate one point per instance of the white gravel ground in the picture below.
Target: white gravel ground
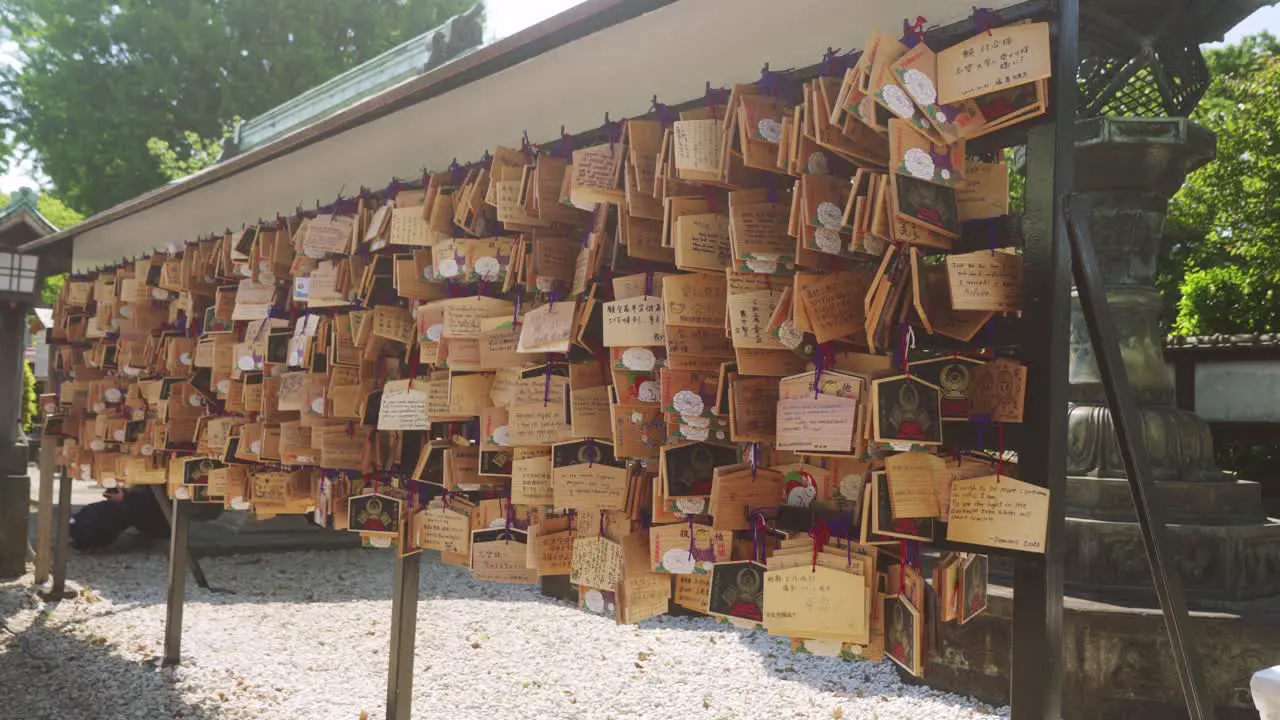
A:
(306, 636)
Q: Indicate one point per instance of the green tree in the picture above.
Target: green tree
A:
(52, 287)
(192, 155)
(1222, 261)
(53, 210)
(97, 79)
(30, 409)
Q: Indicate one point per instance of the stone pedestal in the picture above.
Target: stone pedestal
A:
(1223, 547)
(1126, 171)
(15, 489)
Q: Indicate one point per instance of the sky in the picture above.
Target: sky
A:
(509, 16)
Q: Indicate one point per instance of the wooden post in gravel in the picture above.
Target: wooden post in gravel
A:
(62, 541)
(44, 508)
(49, 451)
(404, 628)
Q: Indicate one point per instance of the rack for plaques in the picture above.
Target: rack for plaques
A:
(1053, 236)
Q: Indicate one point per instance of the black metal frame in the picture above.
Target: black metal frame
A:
(1036, 666)
(1052, 238)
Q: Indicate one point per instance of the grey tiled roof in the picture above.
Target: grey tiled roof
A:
(1206, 342)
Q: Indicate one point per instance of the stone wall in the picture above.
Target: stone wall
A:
(1117, 661)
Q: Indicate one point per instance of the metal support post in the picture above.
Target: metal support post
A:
(177, 594)
(1037, 666)
(404, 627)
(1131, 438)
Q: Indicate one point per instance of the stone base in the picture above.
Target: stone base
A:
(1218, 564)
(1117, 661)
(1224, 547)
(1180, 503)
(14, 509)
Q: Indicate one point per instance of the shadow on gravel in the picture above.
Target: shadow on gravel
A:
(137, 574)
(46, 672)
(138, 577)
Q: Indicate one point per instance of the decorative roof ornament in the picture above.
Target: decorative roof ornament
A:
(1135, 62)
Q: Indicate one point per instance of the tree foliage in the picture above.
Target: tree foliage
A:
(52, 288)
(97, 79)
(30, 405)
(1222, 265)
(55, 211)
(192, 155)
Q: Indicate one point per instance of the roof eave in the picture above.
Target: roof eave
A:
(576, 22)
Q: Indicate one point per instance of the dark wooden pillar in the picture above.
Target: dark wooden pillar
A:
(15, 486)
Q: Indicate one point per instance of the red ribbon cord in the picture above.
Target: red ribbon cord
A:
(1000, 456)
(820, 533)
